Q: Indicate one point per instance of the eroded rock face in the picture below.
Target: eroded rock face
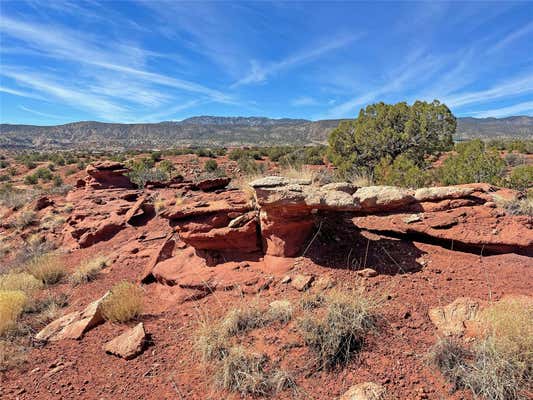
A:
(75, 324)
(129, 344)
(108, 174)
(223, 222)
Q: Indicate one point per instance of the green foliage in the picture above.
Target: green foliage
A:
(4, 164)
(521, 177)
(401, 172)
(386, 130)
(155, 156)
(31, 179)
(43, 173)
(250, 167)
(472, 163)
(142, 171)
(167, 166)
(57, 181)
(210, 166)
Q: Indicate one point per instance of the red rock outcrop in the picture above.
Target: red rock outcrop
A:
(108, 174)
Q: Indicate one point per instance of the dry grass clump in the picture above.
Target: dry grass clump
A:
(499, 366)
(159, 205)
(299, 172)
(24, 219)
(48, 268)
(11, 355)
(246, 373)
(88, 270)
(22, 281)
(124, 302)
(310, 301)
(214, 336)
(339, 330)
(279, 311)
(12, 304)
(515, 206)
(360, 178)
(242, 319)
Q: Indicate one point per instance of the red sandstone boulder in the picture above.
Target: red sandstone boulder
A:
(128, 345)
(108, 174)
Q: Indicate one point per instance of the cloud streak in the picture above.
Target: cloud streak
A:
(259, 73)
(525, 108)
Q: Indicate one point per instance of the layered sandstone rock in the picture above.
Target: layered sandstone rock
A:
(108, 174)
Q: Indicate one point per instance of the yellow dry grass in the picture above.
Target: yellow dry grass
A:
(124, 302)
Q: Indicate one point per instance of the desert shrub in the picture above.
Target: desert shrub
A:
(248, 166)
(339, 330)
(521, 177)
(31, 179)
(21, 281)
(24, 219)
(389, 130)
(472, 163)
(48, 268)
(210, 166)
(57, 181)
(12, 355)
(5, 178)
(124, 302)
(43, 173)
(12, 304)
(310, 301)
(242, 319)
(88, 270)
(4, 164)
(516, 206)
(167, 166)
(449, 357)
(155, 156)
(70, 171)
(279, 311)
(246, 373)
(498, 366)
(513, 159)
(401, 172)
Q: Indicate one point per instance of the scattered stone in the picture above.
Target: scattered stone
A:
(412, 218)
(367, 273)
(75, 324)
(302, 282)
(324, 283)
(364, 391)
(286, 279)
(450, 320)
(129, 344)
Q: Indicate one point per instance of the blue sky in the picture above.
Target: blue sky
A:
(149, 61)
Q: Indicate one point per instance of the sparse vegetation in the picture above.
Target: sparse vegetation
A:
(472, 163)
(521, 177)
(24, 219)
(48, 268)
(339, 329)
(88, 270)
(20, 281)
(499, 365)
(12, 355)
(124, 302)
(12, 304)
(245, 372)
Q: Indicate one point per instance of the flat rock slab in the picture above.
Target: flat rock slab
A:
(451, 319)
(75, 324)
(302, 282)
(129, 344)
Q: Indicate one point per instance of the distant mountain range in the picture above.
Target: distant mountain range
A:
(219, 131)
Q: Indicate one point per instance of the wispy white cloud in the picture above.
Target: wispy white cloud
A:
(20, 93)
(40, 113)
(170, 112)
(511, 37)
(304, 101)
(72, 96)
(259, 73)
(525, 108)
(70, 45)
(416, 70)
(517, 86)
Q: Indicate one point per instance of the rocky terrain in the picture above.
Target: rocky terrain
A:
(219, 131)
(431, 257)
